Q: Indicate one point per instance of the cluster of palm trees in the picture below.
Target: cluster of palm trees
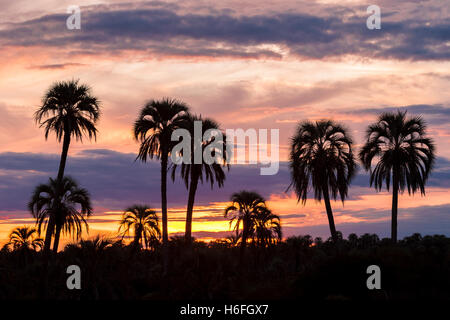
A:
(321, 159)
(259, 224)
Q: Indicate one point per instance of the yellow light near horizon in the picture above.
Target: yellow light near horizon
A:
(106, 224)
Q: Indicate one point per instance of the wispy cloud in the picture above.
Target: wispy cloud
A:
(56, 66)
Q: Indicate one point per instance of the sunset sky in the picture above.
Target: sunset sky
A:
(246, 64)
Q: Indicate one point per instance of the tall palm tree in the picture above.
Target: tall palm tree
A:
(144, 222)
(267, 228)
(402, 153)
(153, 129)
(65, 202)
(321, 156)
(25, 238)
(193, 172)
(69, 110)
(242, 211)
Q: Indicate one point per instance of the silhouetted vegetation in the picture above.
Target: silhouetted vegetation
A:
(296, 268)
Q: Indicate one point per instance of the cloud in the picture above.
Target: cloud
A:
(435, 114)
(56, 66)
(166, 31)
(116, 180)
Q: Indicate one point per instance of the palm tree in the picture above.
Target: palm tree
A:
(245, 206)
(321, 156)
(402, 153)
(25, 238)
(267, 228)
(193, 172)
(153, 129)
(66, 203)
(69, 110)
(144, 222)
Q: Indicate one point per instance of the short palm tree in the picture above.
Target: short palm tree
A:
(144, 223)
(96, 244)
(321, 156)
(245, 206)
(25, 238)
(267, 228)
(153, 129)
(193, 172)
(65, 202)
(402, 153)
(69, 110)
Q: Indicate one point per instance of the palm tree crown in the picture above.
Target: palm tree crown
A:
(321, 156)
(155, 124)
(212, 173)
(69, 107)
(67, 203)
(399, 144)
(144, 222)
(267, 228)
(25, 238)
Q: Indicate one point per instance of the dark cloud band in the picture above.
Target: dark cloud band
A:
(166, 32)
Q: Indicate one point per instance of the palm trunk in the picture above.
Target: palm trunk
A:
(326, 198)
(394, 207)
(62, 166)
(51, 220)
(165, 236)
(190, 207)
(56, 241)
(65, 151)
(137, 236)
(49, 234)
(164, 159)
(244, 239)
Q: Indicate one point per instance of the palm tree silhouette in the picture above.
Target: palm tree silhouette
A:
(25, 238)
(193, 172)
(245, 206)
(69, 110)
(144, 222)
(96, 244)
(65, 202)
(321, 155)
(153, 129)
(403, 154)
(267, 228)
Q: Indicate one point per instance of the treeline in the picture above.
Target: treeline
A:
(298, 268)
